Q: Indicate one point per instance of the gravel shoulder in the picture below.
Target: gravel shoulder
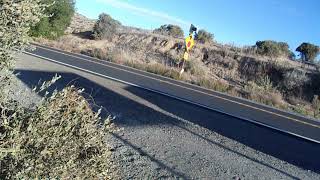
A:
(159, 137)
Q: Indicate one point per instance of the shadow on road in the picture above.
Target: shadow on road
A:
(158, 162)
(282, 146)
(287, 148)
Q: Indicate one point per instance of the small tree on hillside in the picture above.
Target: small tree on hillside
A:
(272, 48)
(308, 51)
(171, 30)
(59, 16)
(204, 36)
(105, 27)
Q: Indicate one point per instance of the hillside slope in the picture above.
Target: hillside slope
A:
(278, 82)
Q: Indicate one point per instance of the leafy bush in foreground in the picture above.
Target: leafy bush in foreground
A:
(60, 139)
(14, 27)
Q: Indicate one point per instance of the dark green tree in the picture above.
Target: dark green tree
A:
(308, 51)
(105, 27)
(204, 36)
(171, 30)
(59, 16)
(292, 56)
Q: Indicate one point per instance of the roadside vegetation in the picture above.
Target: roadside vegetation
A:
(267, 72)
(57, 17)
(273, 49)
(60, 137)
(170, 30)
(204, 37)
(105, 27)
(308, 51)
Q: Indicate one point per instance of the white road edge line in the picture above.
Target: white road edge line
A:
(174, 97)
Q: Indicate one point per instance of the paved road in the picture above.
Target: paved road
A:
(167, 138)
(240, 108)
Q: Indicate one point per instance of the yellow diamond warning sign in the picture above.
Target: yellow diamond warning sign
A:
(189, 42)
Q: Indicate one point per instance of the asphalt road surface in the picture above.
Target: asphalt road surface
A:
(237, 107)
(180, 139)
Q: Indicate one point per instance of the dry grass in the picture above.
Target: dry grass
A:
(303, 109)
(213, 84)
(276, 99)
(157, 69)
(263, 92)
(194, 68)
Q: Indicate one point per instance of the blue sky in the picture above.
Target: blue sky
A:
(241, 22)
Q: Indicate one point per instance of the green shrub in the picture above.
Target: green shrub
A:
(59, 15)
(171, 30)
(308, 51)
(272, 48)
(204, 37)
(300, 109)
(105, 27)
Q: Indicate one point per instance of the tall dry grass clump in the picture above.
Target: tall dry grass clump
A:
(213, 84)
(262, 91)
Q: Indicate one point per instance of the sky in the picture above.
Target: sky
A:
(238, 22)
